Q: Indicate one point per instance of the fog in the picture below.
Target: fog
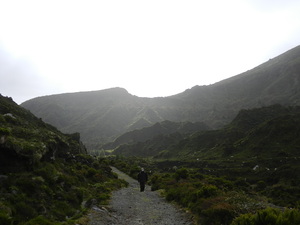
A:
(151, 48)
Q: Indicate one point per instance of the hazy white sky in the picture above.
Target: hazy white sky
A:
(151, 48)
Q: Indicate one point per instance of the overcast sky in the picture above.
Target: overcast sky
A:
(151, 48)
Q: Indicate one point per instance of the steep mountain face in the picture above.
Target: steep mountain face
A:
(274, 82)
(101, 116)
(26, 140)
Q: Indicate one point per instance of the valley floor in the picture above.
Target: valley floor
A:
(130, 206)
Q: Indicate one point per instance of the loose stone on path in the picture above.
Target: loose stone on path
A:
(129, 206)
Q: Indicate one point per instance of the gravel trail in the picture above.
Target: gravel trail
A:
(129, 206)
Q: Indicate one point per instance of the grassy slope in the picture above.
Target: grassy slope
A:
(46, 176)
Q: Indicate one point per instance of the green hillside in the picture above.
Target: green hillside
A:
(46, 177)
(26, 139)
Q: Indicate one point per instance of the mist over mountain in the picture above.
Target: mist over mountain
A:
(102, 116)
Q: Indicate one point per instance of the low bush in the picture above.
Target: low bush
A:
(40, 220)
(221, 213)
(5, 219)
(54, 192)
(181, 173)
(269, 216)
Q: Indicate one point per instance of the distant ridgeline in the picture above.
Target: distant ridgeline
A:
(102, 116)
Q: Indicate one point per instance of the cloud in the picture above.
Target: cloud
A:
(19, 79)
(151, 48)
(273, 5)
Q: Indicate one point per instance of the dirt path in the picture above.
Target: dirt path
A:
(129, 206)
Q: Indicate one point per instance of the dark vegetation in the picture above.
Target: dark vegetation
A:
(247, 172)
(214, 199)
(46, 177)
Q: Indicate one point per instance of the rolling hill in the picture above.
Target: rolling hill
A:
(102, 116)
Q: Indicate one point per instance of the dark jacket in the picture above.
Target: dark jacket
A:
(142, 177)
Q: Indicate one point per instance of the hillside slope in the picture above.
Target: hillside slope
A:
(264, 132)
(101, 116)
(46, 177)
(26, 140)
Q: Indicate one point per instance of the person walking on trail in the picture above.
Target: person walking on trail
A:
(142, 179)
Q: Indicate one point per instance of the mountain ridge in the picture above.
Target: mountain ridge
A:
(250, 131)
(101, 116)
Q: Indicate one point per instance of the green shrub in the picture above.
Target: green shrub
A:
(221, 182)
(74, 196)
(181, 173)
(221, 213)
(103, 198)
(91, 172)
(134, 171)
(269, 216)
(198, 176)
(28, 185)
(62, 210)
(100, 187)
(261, 185)
(2, 120)
(11, 119)
(24, 211)
(47, 171)
(207, 191)
(241, 182)
(5, 219)
(4, 131)
(40, 220)
(173, 194)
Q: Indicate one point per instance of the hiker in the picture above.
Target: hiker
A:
(142, 179)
